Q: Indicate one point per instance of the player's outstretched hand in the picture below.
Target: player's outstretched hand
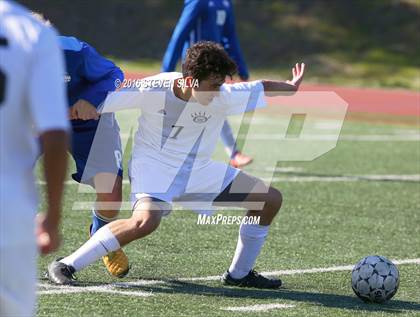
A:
(47, 235)
(83, 110)
(298, 70)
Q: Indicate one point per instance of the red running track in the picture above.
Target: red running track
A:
(391, 102)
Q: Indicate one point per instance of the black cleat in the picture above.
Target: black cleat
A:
(61, 273)
(253, 279)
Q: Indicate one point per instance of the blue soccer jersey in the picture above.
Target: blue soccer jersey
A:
(96, 144)
(89, 76)
(205, 20)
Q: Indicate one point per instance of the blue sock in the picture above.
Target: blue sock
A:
(98, 222)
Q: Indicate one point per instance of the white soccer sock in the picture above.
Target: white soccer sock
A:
(250, 241)
(100, 244)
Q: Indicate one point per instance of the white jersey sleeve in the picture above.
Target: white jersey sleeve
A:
(242, 97)
(146, 93)
(46, 93)
(126, 98)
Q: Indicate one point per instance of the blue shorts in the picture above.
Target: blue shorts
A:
(97, 150)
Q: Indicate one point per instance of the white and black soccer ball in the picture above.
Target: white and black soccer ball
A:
(375, 279)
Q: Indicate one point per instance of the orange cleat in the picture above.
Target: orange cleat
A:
(116, 263)
(240, 160)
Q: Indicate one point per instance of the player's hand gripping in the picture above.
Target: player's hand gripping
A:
(47, 234)
(297, 71)
(83, 110)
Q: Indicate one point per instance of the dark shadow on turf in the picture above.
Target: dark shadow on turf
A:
(327, 300)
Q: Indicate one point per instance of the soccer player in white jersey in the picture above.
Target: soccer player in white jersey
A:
(32, 106)
(171, 161)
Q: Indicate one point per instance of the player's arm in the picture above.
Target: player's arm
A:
(248, 96)
(48, 109)
(234, 49)
(131, 98)
(275, 88)
(103, 76)
(180, 35)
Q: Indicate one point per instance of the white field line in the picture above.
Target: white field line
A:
(333, 137)
(328, 137)
(348, 178)
(126, 205)
(328, 125)
(117, 288)
(304, 271)
(261, 307)
(107, 288)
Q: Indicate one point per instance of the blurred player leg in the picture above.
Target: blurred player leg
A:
(17, 294)
(17, 258)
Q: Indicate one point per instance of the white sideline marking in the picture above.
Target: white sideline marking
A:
(349, 178)
(256, 168)
(333, 137)
(411, 136)
(303, 271)
(107, 288)
(126, 205)
(116, 288)
(261, 307)
(346, 178)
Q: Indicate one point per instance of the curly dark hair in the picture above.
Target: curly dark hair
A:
(206, 59)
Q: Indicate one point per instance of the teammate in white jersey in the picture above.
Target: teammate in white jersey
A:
(32, 105)
(182, 115)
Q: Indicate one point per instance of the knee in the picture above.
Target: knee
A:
(144, 225)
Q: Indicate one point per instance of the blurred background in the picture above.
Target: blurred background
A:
(353, 43)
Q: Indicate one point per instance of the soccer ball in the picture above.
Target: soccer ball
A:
(375, 279)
